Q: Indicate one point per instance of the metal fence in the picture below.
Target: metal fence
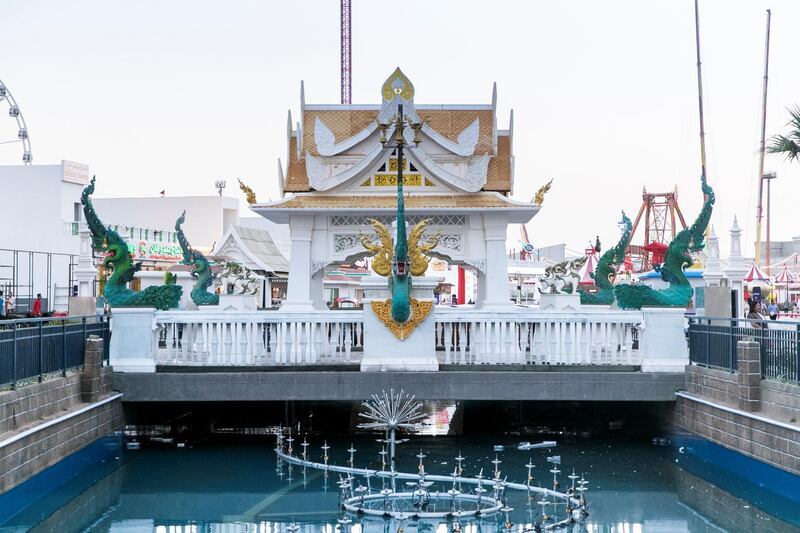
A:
(712, 343)
(33, 348)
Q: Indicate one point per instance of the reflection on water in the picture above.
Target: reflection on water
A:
(635, 487)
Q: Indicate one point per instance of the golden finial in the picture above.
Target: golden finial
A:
(539, 197)
(251, 196)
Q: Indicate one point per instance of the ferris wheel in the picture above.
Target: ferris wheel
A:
(22, 130)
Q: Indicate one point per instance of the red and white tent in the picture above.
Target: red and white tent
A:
(755, 275)
(785, 277)
(589, 267)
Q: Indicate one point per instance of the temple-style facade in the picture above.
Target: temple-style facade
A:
(339, 174)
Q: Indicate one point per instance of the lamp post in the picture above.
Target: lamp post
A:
(400, 269)
(220, 185)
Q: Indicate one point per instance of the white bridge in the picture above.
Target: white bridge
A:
(465, 337)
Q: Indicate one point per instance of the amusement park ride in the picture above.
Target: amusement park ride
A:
(662, 214)
(22, 129)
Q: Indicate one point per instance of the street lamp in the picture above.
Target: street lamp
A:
(220, 185)
(400, 262)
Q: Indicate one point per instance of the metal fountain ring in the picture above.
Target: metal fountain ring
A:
(359, 505)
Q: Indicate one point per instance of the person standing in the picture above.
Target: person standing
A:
(2, 305)
(10, 304)
(37, 306)
(772, 310)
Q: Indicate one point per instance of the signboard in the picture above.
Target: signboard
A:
(73, 172)
(155, 251)
(757, 294)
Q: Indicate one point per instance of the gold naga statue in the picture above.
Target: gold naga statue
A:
(539, 197)
(251, 195)
(382, 251)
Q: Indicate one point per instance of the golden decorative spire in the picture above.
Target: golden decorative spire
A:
(251, 195)
(539, 197)
(397, 84)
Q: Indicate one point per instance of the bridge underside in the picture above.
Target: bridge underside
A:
(346, 385)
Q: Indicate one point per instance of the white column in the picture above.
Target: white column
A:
(736, 268)
(713, 273)
(317, 290)
(497, 294)
(85, 272)
(298, 293)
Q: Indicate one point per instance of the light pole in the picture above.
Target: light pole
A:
(220, 185)
(401, 310)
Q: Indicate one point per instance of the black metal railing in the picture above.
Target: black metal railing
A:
(713, 343)
(32, 348)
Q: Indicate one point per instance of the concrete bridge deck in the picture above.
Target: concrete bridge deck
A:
(613, 384)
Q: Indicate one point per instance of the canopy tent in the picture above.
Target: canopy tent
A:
(755, 275)
(589, 267)
(785, 277)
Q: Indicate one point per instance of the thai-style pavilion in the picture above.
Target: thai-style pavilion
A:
(338, 175)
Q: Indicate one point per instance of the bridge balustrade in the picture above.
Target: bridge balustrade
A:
(535, 337)
(514, 337)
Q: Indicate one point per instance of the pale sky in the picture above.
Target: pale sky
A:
(161, 94)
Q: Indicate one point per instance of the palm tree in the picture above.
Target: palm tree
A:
(788, 145)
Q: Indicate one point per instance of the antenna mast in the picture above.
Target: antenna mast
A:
(345, 52)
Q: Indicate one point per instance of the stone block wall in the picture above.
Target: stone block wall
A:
(781, 400)
(750, 435)
(32, 403)
(44, 422)
(712, 383)
(742, 412)
(44, 447)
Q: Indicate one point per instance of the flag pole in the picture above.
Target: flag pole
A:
(700, 96)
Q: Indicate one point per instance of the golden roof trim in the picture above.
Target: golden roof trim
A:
(472, 201)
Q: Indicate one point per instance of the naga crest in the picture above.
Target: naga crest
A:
(382, 252)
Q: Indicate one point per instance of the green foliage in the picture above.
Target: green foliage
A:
(788, 145)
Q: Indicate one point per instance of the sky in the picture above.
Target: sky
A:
(175, 94)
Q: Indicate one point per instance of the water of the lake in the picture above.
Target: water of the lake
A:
(635, 486)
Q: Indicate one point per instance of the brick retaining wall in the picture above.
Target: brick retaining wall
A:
(48, 443)
(42, 423)
(748, 434)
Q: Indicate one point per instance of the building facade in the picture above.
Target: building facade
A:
(339, 175)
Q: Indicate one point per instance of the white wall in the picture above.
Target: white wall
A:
(207, 217)
(36, 206)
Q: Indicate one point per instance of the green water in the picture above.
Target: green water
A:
(635, 487)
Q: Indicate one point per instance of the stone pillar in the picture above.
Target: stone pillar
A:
(736, 269)
(662, 341)
(748, 353)
(92, 363)
(132, 342)
(713, 274)
(497, 293)
(84, 275)
(317, 288)
(298, 294)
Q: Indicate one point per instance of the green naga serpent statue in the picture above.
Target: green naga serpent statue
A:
(606, 270)
(201, 268)
(676, 260)
(118, 258)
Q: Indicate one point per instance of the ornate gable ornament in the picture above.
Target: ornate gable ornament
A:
(396, 90)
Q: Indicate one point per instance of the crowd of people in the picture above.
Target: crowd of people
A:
(8, 306)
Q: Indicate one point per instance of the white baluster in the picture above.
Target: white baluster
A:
(447, 340)
(462, 342)
(348, 331)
